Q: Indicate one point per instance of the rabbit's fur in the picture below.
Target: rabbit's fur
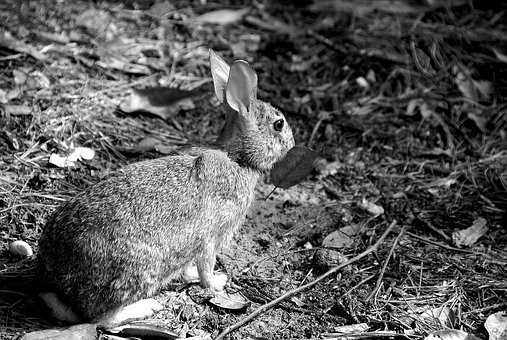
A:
(124, 238)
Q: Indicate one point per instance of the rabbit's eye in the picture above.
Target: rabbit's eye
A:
(278, 125)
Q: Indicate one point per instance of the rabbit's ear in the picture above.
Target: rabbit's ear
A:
(242, 86)
(220, 73)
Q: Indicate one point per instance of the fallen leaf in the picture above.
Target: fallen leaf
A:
(470, 235)
(438, 317)
(297, 301)
(445, 182)
(60, 161)
(451, 334)
(419, 105)
(7, 40)
(86, 331)
(20, 77)
(163, 102)
(160, 9)
(222, 16)
(496, 325)
(3, 97)
(142, 330)
(123, 55)
(500, 56)
(97, 22)
(294, 167)
(17, 110)
(83, 153)
(371, 207)
(327, 258)
(40, 79)
(225, 300)
(342, 238)
(362, 82)
(472, 89)
(70, 160)
(20, 248)
(325, 168)
(355, 328)
(479, 120)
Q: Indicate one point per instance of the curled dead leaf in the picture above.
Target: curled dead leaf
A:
(470, 235)
(294, 167)
(163, 102)
(451, 334)
(222, 16)
(496, 325)
(225, 300)
(371, 207)
(143, 330)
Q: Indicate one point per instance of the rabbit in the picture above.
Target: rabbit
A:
(106, 252)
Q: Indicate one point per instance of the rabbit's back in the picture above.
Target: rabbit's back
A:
(125, 237)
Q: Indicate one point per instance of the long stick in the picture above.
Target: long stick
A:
(293, 292)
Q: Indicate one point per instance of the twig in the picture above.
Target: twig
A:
(426, 240)
(429, 225)
(293, 292)
(358, 285)
(384, 267)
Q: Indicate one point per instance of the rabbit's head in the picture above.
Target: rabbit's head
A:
(255, 134)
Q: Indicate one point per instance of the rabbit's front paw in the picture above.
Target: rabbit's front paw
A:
(218, 281)
(190, 274)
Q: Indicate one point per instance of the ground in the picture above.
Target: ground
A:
(406, 108)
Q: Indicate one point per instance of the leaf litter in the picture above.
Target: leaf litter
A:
(420, 136)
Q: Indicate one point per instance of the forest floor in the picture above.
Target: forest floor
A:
(406, 108)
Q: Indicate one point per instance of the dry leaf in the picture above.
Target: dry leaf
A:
(439, 317)
(20, 77)
(371, 207)
(7, 40)
(325, 168)
(419, 105)
(225, 300)
(160, 9)
(222, 16)
(83, 153)
(294, 167)
(163, 102)
(17, 110)
(470, 235)
(475, 90)
(500, 56)
(355, 328)
(341, 238)
(363, 7)
(3, 97)
(143, 330)
(451, 334)
(496, 325)
(86, 331)
(20, 248)
(99, 23)
(70, 160)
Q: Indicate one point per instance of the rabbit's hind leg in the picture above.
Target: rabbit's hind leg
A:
(141, 309)
(58, 308)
